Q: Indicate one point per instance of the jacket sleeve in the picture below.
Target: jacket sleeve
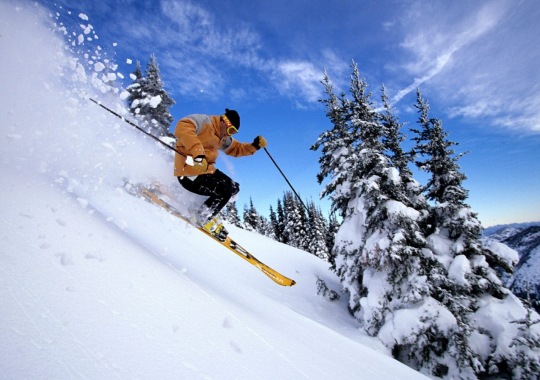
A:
(238, 149)
(186, 133)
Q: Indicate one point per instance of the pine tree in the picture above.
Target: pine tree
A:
(337, 146)
(230, 214)
(265, 227)
(251, 217)
(524, 364)
(393, 139)
(280, 226)
(389, 255)
(333, 228)
(149, 101)
(295, 227)
(135, 96)
(274, 224)
(400, 284)
(304, 231)
(469, 285)
(317, 233)
(359, 192)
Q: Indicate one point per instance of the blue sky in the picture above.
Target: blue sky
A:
(476, 62)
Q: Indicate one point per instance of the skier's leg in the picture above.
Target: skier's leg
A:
(217, 186)
(223, 190)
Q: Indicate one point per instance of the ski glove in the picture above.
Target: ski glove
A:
(259, 142)
(200, 164)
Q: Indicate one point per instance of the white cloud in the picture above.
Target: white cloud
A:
(201, 54)
(480, 59)
(435, 44)
(208, 49)
(299, 78)
(195, 30)
(195, 51)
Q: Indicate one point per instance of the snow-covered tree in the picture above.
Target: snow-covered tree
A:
(265, 227)
(295, 231)
(337, 147)
(135, 95)
(333, 228)
(393, 138)
(317, 233)
(525, 365)
(382, 258)
(417, 276)
(280, 225)
(274, 224)
(410, 190)
(230, 214)
(356, 194)
(470, 285)
(251, 217)
(149, 101)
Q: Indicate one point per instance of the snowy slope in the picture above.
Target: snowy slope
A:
(526, 241)
(84, 298)
(95, 283)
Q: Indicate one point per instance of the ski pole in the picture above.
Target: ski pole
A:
(284, 176)
(136, 126)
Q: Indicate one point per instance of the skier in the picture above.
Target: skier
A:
(200, 137)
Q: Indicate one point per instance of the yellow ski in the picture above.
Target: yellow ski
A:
(230, 244)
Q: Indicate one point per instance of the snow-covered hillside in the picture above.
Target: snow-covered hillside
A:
(525, 281)
(97, 284)
(501, 232)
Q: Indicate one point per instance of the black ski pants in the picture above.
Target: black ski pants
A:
(217, 186)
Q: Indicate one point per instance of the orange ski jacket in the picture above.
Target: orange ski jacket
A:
(200, 135)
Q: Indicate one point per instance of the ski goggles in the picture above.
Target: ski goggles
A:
(231, 129)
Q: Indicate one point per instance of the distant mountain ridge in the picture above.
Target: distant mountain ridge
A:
(495, 229)
(525, 239)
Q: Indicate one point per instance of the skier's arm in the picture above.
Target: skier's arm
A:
(238, 149)
(186, 133)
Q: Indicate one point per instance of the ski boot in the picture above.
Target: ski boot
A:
(215, 228)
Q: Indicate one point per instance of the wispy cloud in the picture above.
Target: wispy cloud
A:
(435, 44)
(477, 61)
(299, 77)
(202, 54)
(198, 30)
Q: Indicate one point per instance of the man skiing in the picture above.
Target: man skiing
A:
(199, 138)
